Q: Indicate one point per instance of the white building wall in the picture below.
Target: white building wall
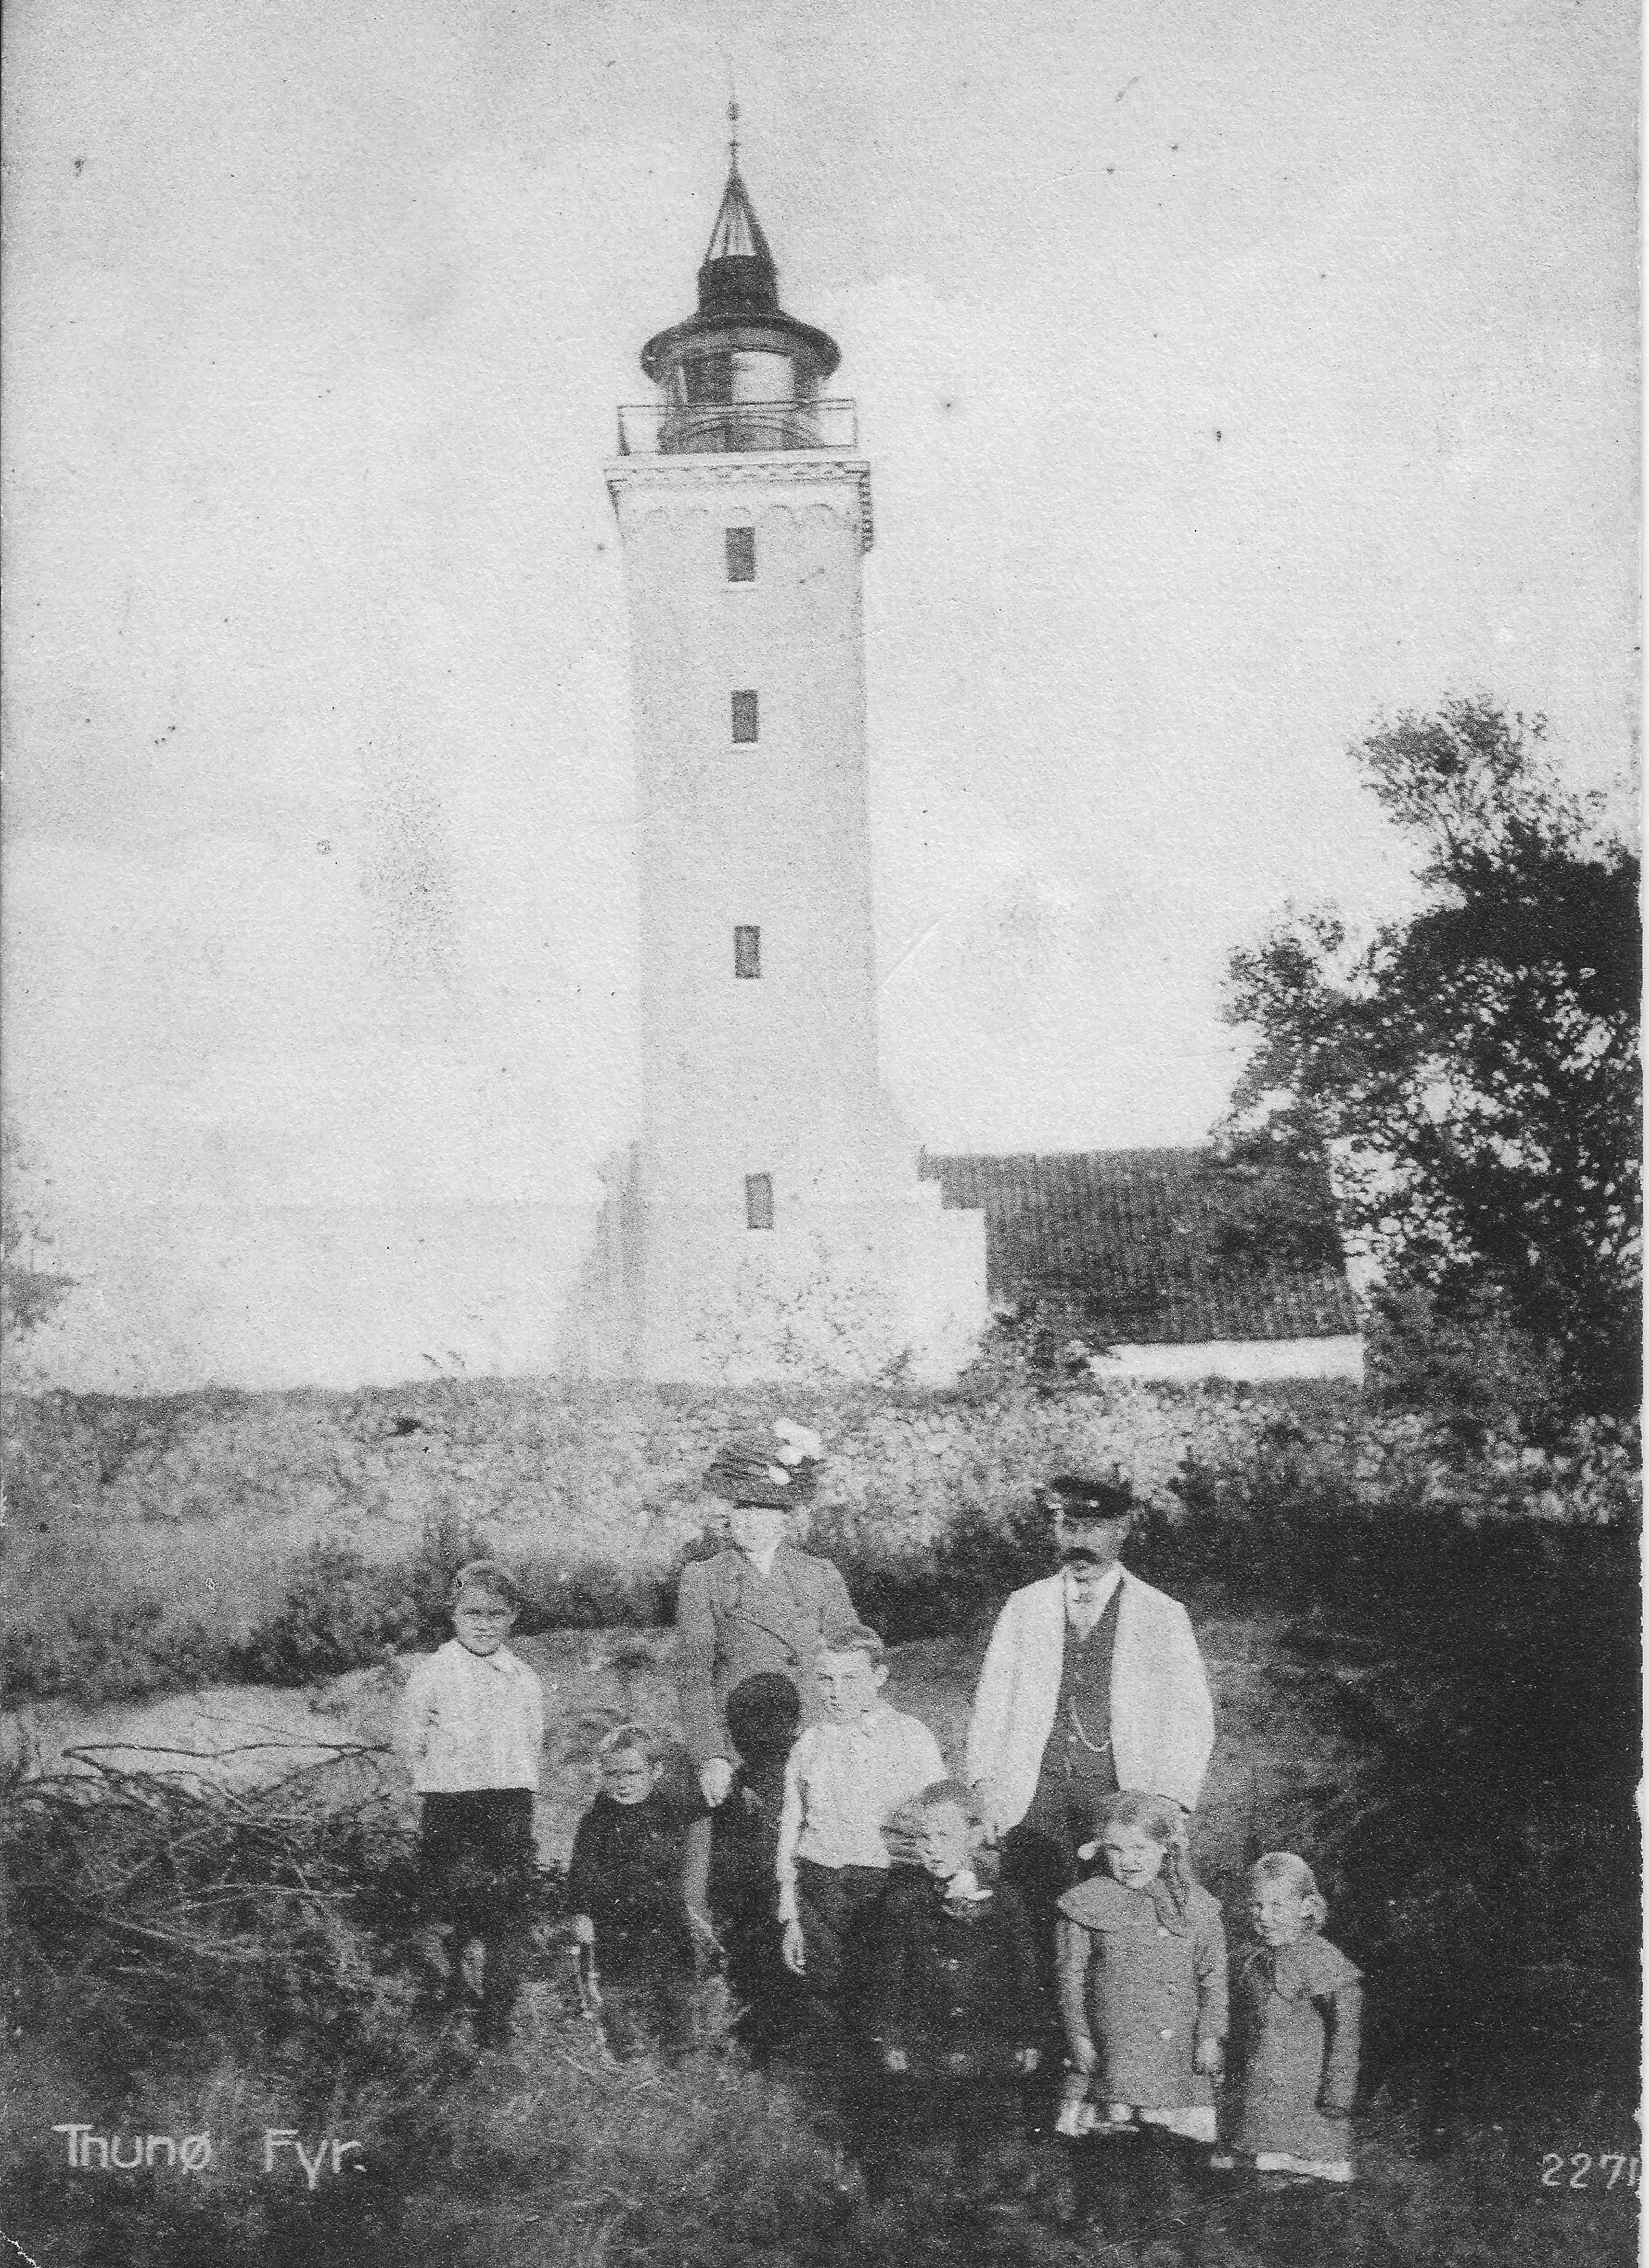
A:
(1249, 1359)
(839, 1289)
(166, 1300)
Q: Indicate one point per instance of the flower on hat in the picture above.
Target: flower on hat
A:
(797, 1443)
(777, 1466)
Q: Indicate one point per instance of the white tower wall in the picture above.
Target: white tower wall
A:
(774, 1075)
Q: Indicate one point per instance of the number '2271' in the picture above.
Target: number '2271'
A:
(1579, 2168)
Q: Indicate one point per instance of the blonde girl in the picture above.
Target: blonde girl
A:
(1299, 2007)
(1140, 1961)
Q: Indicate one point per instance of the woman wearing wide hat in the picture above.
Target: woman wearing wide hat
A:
(762, 1603)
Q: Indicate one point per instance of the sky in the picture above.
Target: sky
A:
(1230, 378)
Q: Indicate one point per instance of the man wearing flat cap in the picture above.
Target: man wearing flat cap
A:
(1092, 1683)
(762, 1603)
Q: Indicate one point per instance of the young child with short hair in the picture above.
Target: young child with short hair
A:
(955, 2005)
(625, 1891)
(472, 1730)
(763, 1715)
(845, 1776)
(1140, 1962)
(1299, 2004)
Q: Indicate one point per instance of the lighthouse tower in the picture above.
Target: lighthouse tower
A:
(776, 1224)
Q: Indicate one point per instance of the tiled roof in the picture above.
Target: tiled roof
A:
(1159, 1246)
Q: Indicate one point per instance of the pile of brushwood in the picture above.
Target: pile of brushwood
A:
(267, 1914)
(194, 1960)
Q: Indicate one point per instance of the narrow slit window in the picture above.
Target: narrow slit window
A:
(759, 1210)
(746, 951)
(746, 723)
(741, 555)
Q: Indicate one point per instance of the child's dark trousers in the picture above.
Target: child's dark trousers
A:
(964, 2134)
(648, 2008)
(479, 1874)
(840, 1908)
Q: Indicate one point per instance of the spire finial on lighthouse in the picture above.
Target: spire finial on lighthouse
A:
(732, 120)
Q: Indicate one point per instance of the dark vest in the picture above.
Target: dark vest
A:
(1078, 1772)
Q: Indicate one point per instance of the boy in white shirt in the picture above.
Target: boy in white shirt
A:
(472, 1731)
(844, 1777)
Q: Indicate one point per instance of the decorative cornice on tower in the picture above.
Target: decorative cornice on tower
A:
(796, 467)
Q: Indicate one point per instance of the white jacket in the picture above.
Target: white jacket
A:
(1162, 1715)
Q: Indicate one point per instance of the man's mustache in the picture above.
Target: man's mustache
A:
(1080, 1555)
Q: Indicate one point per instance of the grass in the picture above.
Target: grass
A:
(113, 1610)
(546, 2157)
(539, 2162)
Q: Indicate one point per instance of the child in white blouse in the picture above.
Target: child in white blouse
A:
(845, 1777)
(472, 1731)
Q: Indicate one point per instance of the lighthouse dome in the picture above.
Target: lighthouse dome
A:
(739, 373)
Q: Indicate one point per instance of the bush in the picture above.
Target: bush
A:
(591, 1596)
(907, 1592)
(338, 1612)
(117, 1649)
(1274, 1528)
(1464, 1365)
(246, 1916)
(1488, 1866)
(1271, 1528)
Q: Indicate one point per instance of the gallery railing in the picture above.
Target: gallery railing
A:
(668, 428)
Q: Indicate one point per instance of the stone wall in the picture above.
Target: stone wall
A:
(610, 1474)
(604, 1469)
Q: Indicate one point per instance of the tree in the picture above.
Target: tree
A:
(1473, 1068)
(30, 1295)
